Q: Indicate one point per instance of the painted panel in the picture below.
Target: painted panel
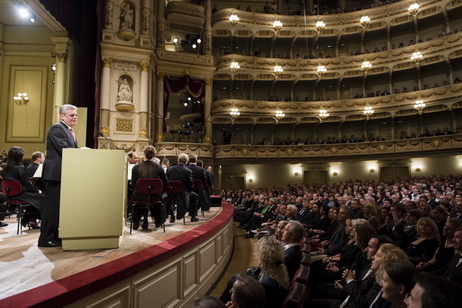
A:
(26, 121)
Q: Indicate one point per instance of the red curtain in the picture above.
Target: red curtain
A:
(184, 84)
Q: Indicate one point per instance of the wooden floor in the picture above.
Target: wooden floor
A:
(241, 259)
(23, 265)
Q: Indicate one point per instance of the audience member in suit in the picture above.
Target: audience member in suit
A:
(60, 136)
(453, 270)
(15, 171)
(198, 173)
(187, 199)
(404, 230)
(356, 209)
(433, 291)
(148, 169)
(457, 212)
(305, 212)
(37, 159)
(292, 235)
(212, 177)
(208, 185)
(338, 238)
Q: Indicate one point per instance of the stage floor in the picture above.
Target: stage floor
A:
(24, 266)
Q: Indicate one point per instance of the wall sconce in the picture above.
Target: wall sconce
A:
(21, 99)
(277, 70)
(371, 170)
(321, 70)
(413, 9)
(364, 21)
(416, 57)
(320, 25)
(233, 19)
(234, 66)
(368, 112)
(418, 168)
(334, 172)
(322, 115)
(277, 24)
(250, 180)
(366, 66)
(296, 173)
(419, 106)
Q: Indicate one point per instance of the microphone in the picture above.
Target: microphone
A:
(100, 134)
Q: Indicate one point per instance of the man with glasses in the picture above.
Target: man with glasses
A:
(61, 135)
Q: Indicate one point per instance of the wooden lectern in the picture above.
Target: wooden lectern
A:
(93, 198)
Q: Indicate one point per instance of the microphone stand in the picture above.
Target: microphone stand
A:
(104, 136)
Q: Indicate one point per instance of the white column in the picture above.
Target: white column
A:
(208, 110)
(105, 95)
(144, 88)
(160, 107)
(62, 45)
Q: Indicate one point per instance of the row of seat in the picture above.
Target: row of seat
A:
(153, 186)
(148, 187)
(299, 289)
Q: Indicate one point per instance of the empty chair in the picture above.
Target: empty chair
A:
(13, 189)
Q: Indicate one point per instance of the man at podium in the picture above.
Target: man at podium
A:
(61, 135)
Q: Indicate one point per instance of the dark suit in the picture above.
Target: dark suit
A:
(148, 169)
(59, 137)
(338, 239)
(199, 173)
(38, 181)
(292, 259)
(184, 175)
(453, 272)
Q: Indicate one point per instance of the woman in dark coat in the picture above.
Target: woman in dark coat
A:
(15, 171)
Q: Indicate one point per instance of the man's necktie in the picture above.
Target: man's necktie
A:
(73, 133)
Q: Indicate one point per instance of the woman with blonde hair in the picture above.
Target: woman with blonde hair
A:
(425, 246)
(273, 275)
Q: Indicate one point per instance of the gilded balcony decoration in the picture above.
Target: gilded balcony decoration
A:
(431, 52)
(184, 16)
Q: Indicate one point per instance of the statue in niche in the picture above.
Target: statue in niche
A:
(126, 17)
(125, 93)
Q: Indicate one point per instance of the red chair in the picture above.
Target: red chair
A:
(13, 189)
(148, 187)
(296, 297)
(173, 189)
(197, 188)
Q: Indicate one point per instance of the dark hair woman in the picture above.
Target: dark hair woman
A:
(15, 171)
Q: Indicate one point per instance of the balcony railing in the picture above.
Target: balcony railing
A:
(447, 144)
